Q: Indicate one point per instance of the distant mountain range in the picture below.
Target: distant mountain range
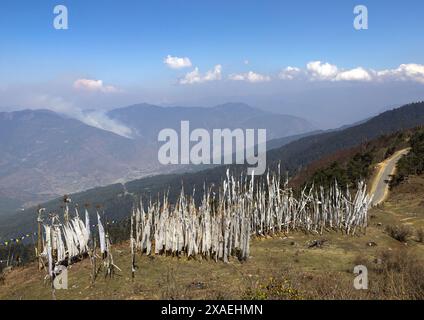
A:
(146, 120)
(117, 199)
(45, 154)
(308, 149)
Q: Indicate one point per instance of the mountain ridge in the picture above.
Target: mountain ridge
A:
(46, 154)
(118, 199)
(147, 120)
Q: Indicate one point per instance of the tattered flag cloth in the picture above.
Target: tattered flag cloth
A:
(101, 235)
(222, 225)
(87, 225)
(50, 259)
(65, 242)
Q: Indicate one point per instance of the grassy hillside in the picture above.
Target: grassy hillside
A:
(282, 267)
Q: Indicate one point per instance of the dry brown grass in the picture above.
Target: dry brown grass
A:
(420, 235)
(294, 285)
(393, 275)
(401, 275)
(395, 268)
(2, 278)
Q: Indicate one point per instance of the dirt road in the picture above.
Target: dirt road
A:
(379, 186)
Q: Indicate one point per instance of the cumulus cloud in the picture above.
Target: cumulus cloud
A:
(357, 74)
(290, 73)
(317, 70)
(405, 72)
(176, 62)
(250, 77)
(192, 77)
(324, 71)
(94, 86)
(314, 71)
(321, 71)
(196, 77)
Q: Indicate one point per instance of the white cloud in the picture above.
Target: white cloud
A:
(94, 86)
(214, 74)
(405, 72)
(196, 77)
(246, 62)
(317, 70)
(290, 73)
(236, 77)
(324, 71)
(192, 77)
(321, 71)
(250, 77)
(357, 74)
(176, 62)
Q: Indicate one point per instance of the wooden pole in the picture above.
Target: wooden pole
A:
(93, 262)
(132, 243)
(39, 238)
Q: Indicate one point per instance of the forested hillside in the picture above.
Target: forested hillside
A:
(413, 162)
(117, 200)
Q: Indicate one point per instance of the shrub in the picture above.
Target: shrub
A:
(413, 162)
(279, 288)
(400, 233)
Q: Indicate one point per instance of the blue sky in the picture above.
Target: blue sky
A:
(124, 44)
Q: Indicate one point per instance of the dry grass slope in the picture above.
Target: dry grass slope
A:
(279, 268)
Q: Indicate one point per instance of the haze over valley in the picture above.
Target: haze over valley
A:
(47, 154)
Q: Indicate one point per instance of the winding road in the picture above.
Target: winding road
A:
(379, 187)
